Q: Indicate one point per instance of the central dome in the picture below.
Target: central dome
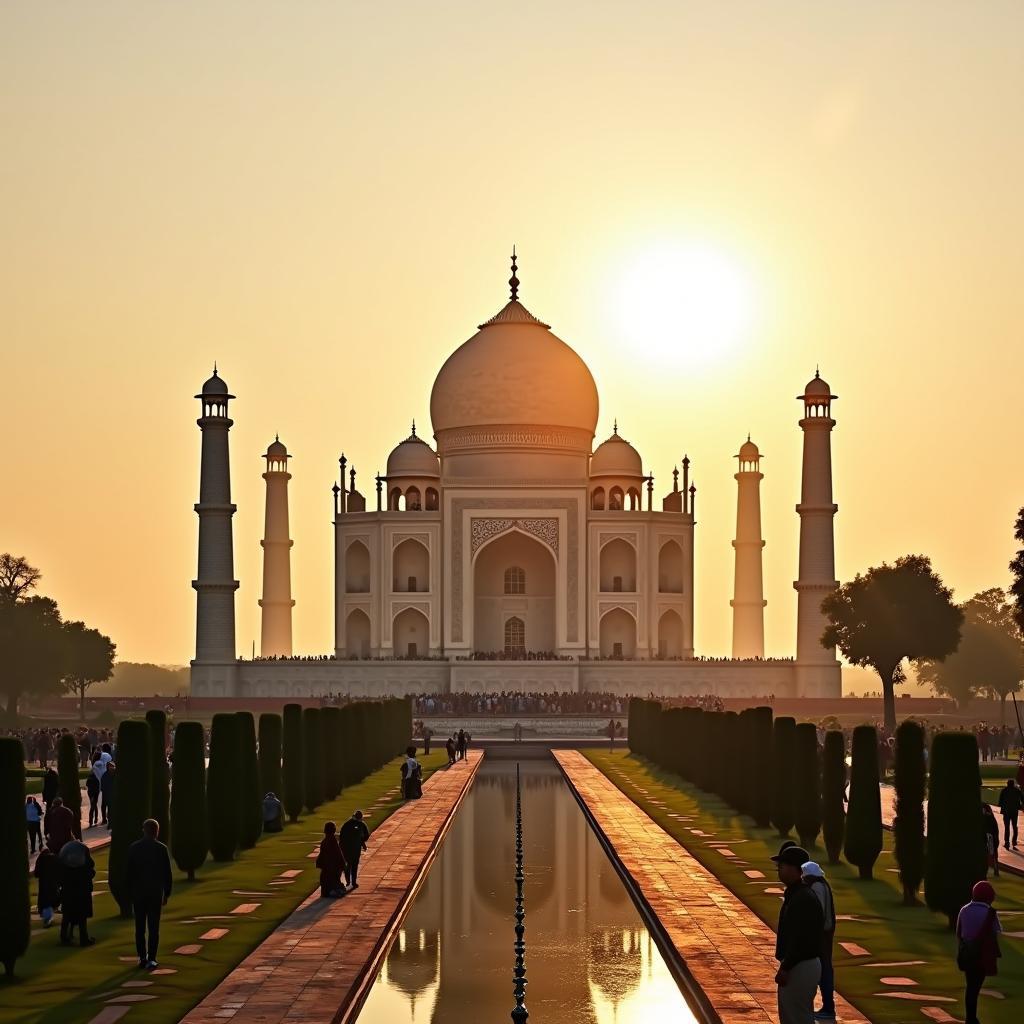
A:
(514, 373)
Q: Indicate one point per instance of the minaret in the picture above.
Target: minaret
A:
(216, 584)
(817, 667)
(277, 603)
(748, 587)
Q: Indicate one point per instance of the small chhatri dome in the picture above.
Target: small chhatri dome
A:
(215, 385)
(277, 450)
(616, 457)
(748, 451)
(818, 388)
(413, 457)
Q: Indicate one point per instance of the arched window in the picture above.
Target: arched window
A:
(515, 638)
(395, 499)
(515, 580)
(615, 499)
(597, 498)
(412, 500)
(433, 502)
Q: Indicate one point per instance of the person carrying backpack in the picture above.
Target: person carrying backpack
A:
(977, 928)
(814, 879)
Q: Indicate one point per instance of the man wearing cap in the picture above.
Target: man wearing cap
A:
(814, 879)
(798, 940)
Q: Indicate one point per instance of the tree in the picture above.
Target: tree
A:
(292, 766)
(31, 650)
(132, 789)
(806, 785)
(222, 777)
(312, 760)
(1017, 571)
(15, 910)
(833, 794)
(334, 751)
(250, 823)
(957, 857)
(270, 753)
(908, 824)
(990, 657)
(188, 799)
(160, 777)
(864, 817)
(89, 659)
(783, 809)
(761, 778)
(17, 577)
(889, 614)
(70, 787)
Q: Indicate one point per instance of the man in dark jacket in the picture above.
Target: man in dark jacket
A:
(148, 880)
(352, 837)
(1010, 801)
(798, 941)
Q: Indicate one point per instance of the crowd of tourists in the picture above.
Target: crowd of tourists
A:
(514, 702)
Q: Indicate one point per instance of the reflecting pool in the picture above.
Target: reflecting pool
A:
(589, 958)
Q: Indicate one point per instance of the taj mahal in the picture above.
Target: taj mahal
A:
(513, 554)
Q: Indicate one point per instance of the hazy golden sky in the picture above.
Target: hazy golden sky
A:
(322, 196)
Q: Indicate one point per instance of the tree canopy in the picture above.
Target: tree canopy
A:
(889, 614)
(89, 658)
(1017, 571)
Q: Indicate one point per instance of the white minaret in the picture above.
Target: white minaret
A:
(748, 587)
(817, 670)
(277, 603)
(216, 584)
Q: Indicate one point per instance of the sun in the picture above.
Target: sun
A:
(684, 303)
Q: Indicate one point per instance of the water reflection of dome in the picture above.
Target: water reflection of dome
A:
(393, 998)
(616, 963)
(414, 961)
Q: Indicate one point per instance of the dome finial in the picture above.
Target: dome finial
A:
(817, 371)
(215, 367)
(413, 428)
(615, 426)
(513, 281)
(277, 436)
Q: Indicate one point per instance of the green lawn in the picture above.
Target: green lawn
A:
(890, 931)
(57, 985)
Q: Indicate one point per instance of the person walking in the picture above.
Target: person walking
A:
(47, 874)
(977, 928)
(412, 775)
(92, 791)
(460, 744)
(77, 871)
(108, 786)
(1010, 801)
(427, 736)
(331, 862)
(51, 786)
(798, 941)
(610, 733)
(450, 749)
(148, 881)
(991, 828)
(34, 822)
(814, 879)
(59, 825)
(352, 838)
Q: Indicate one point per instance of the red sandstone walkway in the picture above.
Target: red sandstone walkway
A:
(316, 966)
(726, 948)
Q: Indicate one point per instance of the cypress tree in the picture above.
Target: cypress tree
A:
(160, 796)
(347, 730)
(223, 776)
(326, 756)
(334, 752)
(833, 791)
(188, 799)
(292, 761)
(864, 815)
(361, 739)
(783, 813)
(760, 781)
(15, 909)
(807, 785)
(270, 753)
(312, 760)
(133, 788)
(908, 823)
(250, 799)
(957, 857)
(702, 749)
(70, 787)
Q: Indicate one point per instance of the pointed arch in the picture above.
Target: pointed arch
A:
(618, 634)
(357, 568)
(410, 634)
(357, 634)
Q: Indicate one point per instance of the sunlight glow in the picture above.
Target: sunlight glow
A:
(684, 304)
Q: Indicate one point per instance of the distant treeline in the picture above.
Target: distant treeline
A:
(139, 679)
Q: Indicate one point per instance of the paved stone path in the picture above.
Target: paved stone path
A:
(317, 965)
(726, 948)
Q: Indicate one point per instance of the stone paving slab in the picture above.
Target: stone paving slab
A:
(312, 969)
(726, 948)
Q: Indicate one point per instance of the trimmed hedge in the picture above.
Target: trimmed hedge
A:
(864, 816)
(223, 807)
(312, 760)
(160, 779)
(70, 785)
(189, 840)
(270, 731)
(133, 789)
(807, 785)
(292, 770)
(250, 799)
(908, 823)
(783, 814)
(957, 857)
(334, 752)
(760, 781)
(833, 794)
(15, 908)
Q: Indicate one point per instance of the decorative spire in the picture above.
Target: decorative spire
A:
(413, 428)
(277, 437)
(215, 367)
(513, 281)
(615, 426)
(675, 479)
(817, 372)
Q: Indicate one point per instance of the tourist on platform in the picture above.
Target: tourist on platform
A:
(77, 871)
(108, 792)
(148, 882)
(51, 786)
(352, 838)
(798, 940)
(47, 874)
(991, 827)
(461, 744)
(59, 825)
(273, 813)
(610, 733)
(412, 776)
(331, 863)
(977, 928)
(517, 733)
(427, 736)
(450, 748)
(92, 791)
(34, 822)
(1010, 802)
(814, 879)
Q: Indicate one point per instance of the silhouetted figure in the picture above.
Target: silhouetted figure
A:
(51, 786)
(412, 776)
(991, 827)
(450, 748)
(148, 881)
(92, 791)
(59, 825)
(977, 928)
(77, 871)
(610, 732)
(47, 874)
(460, 744)
(798, 940)
(108, 788)
(814, 879)
(427, 735)
(34, 822)
(273, 813)
(1010, 801)
(352, 838)
(331, 862)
